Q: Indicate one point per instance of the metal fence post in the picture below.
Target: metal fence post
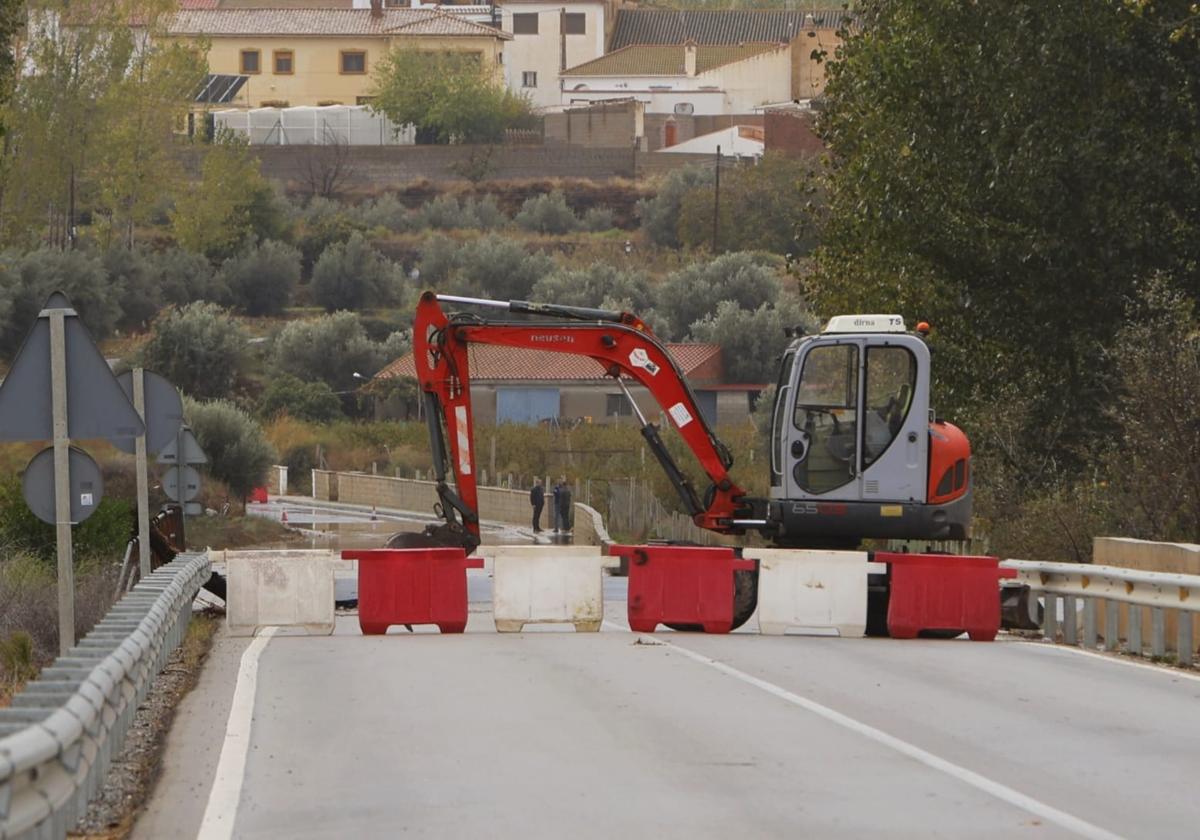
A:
(1089, 623)
(1070, 619)
(1184, 646)
(1134, 642)
(1112, 616)
(1050, 617)
(1158, 639)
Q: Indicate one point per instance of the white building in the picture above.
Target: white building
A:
(737, 141)
(548, 37)
(685, 79)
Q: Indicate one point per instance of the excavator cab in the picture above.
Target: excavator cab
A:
(853, 440)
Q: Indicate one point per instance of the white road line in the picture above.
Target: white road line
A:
(221, 811)
(1162, 670)
(1002, 792)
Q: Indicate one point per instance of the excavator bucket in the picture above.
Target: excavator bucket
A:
(435, 536)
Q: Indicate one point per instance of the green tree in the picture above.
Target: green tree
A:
(752, 340)
(232, 203)
(449, 97)
(493, 266)
(1008, 172)
(238, 452)
(314, 402)
(200, 348)
(28, 279)
(547, 213)
(773, 205)
(660, 215)
(693, 292)
(262, 277)
(353, 276)
(331, 349)
(594, 285)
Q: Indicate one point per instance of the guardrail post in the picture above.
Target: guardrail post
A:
(1134, 642)
(1185, 645)
(1049, 617)
(1070, 619)
(1158, 638)
(1089, 623)
(1112, 620)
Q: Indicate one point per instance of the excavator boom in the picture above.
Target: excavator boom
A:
(626, 351)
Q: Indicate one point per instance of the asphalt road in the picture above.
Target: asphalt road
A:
(618, 735)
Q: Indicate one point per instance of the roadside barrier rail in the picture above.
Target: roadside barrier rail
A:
(62, 730)
(1162, 592)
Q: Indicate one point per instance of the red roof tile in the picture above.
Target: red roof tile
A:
(699, 363)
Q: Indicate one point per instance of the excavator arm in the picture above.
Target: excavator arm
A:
(621, 344)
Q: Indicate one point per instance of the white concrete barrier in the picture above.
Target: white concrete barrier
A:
(279, 589)
(812, 591)
(547, 585)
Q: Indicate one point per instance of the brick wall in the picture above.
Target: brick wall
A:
(791, 132)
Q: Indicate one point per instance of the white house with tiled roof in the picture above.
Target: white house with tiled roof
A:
(549, 37)
(685, 79)
(305, 56)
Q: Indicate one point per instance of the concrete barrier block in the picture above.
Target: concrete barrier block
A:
(804, 590)
(280, 589)
(547, 585)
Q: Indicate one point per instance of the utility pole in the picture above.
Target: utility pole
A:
(717, 204)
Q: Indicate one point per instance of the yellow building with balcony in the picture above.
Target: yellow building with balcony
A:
(293, 57)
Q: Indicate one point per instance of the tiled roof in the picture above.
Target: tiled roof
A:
(237, 22)
(701, 362)
(665, 60)
(715, 26)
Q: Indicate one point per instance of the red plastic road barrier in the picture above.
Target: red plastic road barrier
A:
(671, 584)
(259, 495)
(412, 586)
(944, 592)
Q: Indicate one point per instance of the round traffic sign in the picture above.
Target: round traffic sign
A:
(181, 490)
(163, 412)
(87, 485)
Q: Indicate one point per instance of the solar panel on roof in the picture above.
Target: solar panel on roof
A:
(220, 89)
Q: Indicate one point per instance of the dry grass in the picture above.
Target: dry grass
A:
(225, 532)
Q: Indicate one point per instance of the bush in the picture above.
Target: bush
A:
(331, 348)
(199, 348)
(594, 285)
(445, 213)
(660, 215)
(353, 276)
(311, 401)
(28, 279)
(693, 293)
(440, 258)
(262, 278)
(238, 452)
(599, 219)
(386, 212)
(751, 340)
(101, 537)
(135, 276)
(318, 236)
(486, 212)
(548, 213)
(183, 277)
(493, 266)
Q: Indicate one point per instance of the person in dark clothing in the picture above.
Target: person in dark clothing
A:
(537, 498)
(556, 506)
(563, 500)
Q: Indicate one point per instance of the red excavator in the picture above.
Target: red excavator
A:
(856, 450)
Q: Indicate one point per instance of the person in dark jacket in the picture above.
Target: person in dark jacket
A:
(564, 505)
(537, 498)
(556, 505)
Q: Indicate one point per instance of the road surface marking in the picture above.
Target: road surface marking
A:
(221, 811)
(1165, 670)
(1002, 792)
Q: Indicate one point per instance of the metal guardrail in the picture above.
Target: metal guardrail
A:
(1074, 583)
(58, 737)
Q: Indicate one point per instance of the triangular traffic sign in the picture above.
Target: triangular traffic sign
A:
(96, 405)
(192, 453)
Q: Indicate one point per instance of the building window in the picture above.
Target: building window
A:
(353, 62)
(529, 79)
(615, 405)
(285, 63)
(251, 62)
(576, 23)
(525, 23)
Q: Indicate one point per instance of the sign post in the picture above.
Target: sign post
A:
(143, 478)
(62, 480)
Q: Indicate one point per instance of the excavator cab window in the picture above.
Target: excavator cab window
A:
(891, 376)
(826, 416)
